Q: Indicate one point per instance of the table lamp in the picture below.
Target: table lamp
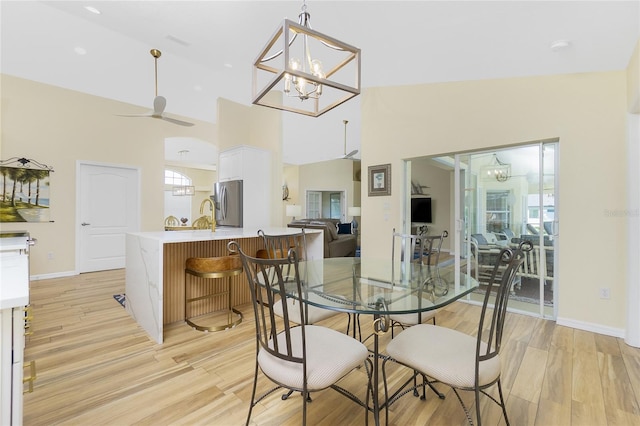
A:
(293, 210)
(354, 211)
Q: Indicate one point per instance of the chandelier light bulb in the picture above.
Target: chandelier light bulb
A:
(301, 84)
(287, 83)
(316, 68)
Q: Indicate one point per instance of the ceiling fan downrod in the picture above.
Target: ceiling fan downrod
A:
(156, 54)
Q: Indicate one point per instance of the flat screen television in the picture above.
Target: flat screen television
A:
(421, 210)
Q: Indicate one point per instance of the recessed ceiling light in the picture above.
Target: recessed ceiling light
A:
(92, 10)
(228, 65)
(80, 50)
(559, 45)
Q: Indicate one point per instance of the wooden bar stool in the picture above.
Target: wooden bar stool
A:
(211, 268)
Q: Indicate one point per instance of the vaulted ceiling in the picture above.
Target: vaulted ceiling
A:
(208, 48)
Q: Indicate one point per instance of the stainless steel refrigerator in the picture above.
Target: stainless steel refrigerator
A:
(227, 197)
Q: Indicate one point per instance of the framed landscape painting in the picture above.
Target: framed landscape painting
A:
(380, 180)
(24, 195)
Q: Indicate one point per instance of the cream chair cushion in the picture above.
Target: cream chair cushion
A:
(412, 319)
(330, 356)
(443, 354)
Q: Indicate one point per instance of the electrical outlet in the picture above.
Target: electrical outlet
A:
(50, 255)
(604, 293)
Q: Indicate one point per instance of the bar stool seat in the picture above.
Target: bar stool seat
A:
(211, 268)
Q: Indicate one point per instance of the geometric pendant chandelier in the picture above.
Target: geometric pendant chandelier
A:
(303, 71)
(496, 169)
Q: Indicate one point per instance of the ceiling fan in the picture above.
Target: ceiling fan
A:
(346, 156)
(159, 102)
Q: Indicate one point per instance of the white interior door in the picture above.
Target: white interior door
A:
(108, 208)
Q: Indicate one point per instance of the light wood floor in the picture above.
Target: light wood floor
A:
(96, 366)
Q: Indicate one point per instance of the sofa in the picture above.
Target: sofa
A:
(335, 244)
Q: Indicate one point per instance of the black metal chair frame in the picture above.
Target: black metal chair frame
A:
(504, 273)
(276, 276)
(423, 245)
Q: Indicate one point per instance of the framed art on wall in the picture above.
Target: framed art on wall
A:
(24, 190)
(380, 180)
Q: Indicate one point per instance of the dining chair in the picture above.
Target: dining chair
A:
(303, 358)
(419, 250)
(432, 247)
(278, 246)
(171, 221)
(461, 361)
(203, 222)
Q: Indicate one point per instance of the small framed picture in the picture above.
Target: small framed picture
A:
(380, 180)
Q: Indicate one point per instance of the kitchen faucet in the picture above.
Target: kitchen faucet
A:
(213, 211)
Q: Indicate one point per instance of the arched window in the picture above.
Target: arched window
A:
(174, 178)
(176, 206)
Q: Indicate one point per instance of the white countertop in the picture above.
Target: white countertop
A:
(221, 233)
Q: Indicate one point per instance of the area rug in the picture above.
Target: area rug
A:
(120, 298)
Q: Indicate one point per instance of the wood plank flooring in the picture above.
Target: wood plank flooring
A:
(95, 366)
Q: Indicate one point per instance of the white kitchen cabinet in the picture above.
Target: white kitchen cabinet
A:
(253, 167)
(12, 326)
(14, 295)
(230, 165)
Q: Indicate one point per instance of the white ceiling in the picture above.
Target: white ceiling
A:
(208, 47)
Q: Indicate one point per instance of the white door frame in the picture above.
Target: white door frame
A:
(78, 219)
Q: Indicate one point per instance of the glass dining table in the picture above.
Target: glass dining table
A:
(379, 288)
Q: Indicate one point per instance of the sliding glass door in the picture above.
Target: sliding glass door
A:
(509, 198)
(505, 197)
(488, 200)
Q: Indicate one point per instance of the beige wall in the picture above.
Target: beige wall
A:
(290, 176)
(203, 180)
(328, 176)
(59, 127)
(586, 112)
(439, 183)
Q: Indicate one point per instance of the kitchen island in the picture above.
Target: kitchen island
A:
(155, 270)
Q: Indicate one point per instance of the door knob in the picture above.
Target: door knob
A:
(85, 224)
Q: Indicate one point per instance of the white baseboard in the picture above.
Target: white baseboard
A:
(594, 328)
(54, 275)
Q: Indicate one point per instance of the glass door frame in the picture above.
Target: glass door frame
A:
(462, 176)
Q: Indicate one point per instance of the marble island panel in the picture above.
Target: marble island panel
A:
(155, 269)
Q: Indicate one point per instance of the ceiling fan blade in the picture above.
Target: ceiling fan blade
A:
(174, 121)
(159, 104)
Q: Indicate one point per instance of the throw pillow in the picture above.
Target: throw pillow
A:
(333, 231)
(344, 228)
